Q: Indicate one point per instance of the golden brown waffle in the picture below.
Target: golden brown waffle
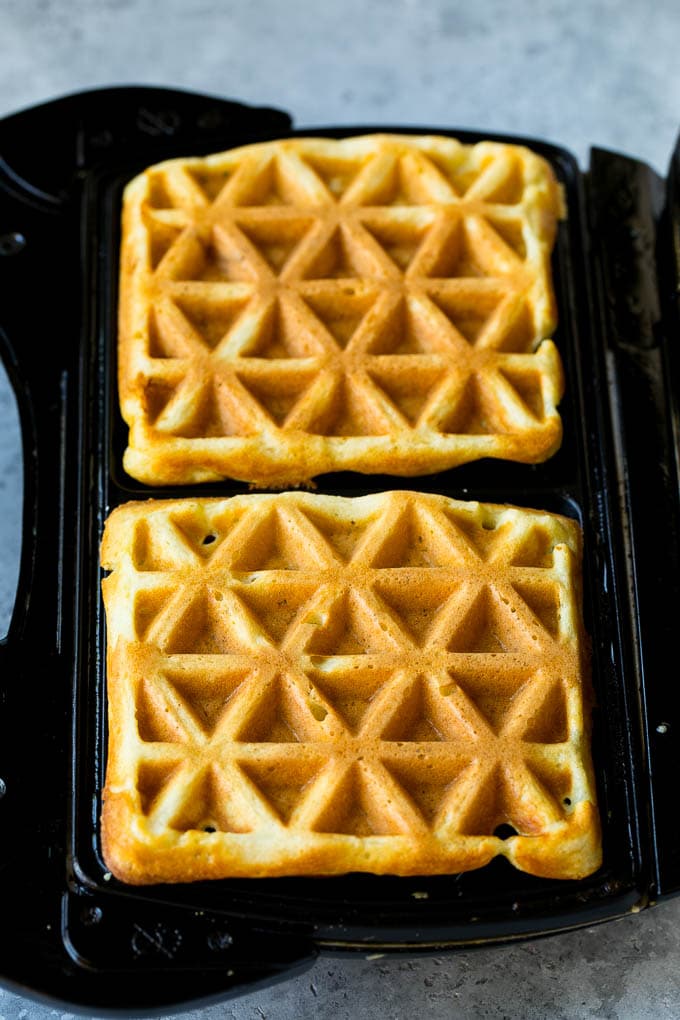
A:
(311, 685)
(303, 306)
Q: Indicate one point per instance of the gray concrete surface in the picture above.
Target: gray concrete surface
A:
(577, 73)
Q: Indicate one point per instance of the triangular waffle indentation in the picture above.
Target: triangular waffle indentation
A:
(201, 536)
(279, 332)
(343, 536)
(351, 692)
(555, 776)
(276, 393)
(148, 605)
(410, 391)
(489, 628)
(468, 312)
(210, 806)
(501, 183)
(276, 239)
(155, 721)
(338, 258)
(409, 542)
(264, 185)
(276, 606)
(276, 718)
(418, 718)
(348, 412)
(535, 549)
(152, 777)
(158, 196)
(476, 413)
(492, 695)
(543, 599)
(484, 535)
(464, 257)
(351, 810)
(283, 795)
(212, 316)
(512, 330)
(507, 796)
(428, 784)
(460, 174)
(210, 411)
(348, 630)
(271, 545)
(207, 693)
(201, 630)
(487, 807)
(165, 341)
(400, 239)
(337, 174)
(528, 387)
(145, 554)
(511, 230)
(550, 723)
(341, 318)
(404, 329)
(415, 606)
(210, 182)
(162, 237)
(157, 349)
(454, 257)
(400, 183)
(219, 260)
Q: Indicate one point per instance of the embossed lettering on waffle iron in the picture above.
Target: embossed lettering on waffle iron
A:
(376, 303)
(312, 685)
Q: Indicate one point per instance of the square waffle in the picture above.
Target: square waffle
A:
(378, 304)
(313, 685)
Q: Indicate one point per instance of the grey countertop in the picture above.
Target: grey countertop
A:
(602, 73)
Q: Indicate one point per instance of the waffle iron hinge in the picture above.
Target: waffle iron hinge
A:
(631, 252)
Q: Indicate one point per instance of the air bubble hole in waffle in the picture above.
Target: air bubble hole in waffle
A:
(313, 685)
(380, 303)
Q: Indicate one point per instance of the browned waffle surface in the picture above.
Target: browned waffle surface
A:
(380, 304)
(313, 685)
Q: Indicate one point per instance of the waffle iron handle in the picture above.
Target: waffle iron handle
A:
(45, 301)
(44, 317)
(29, 338)
(46, 347)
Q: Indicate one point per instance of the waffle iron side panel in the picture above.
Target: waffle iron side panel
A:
(636, 217)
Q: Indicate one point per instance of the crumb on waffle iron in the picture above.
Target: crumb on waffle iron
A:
(379, 304)
(314, 685)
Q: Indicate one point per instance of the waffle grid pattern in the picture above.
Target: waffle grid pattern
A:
(379, 304)
(305, 684)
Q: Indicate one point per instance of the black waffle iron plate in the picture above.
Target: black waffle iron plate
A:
(71, 933)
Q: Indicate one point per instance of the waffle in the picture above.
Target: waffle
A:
(377, 304)
(313, 685)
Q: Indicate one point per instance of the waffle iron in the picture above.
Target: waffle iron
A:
(71, 933)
